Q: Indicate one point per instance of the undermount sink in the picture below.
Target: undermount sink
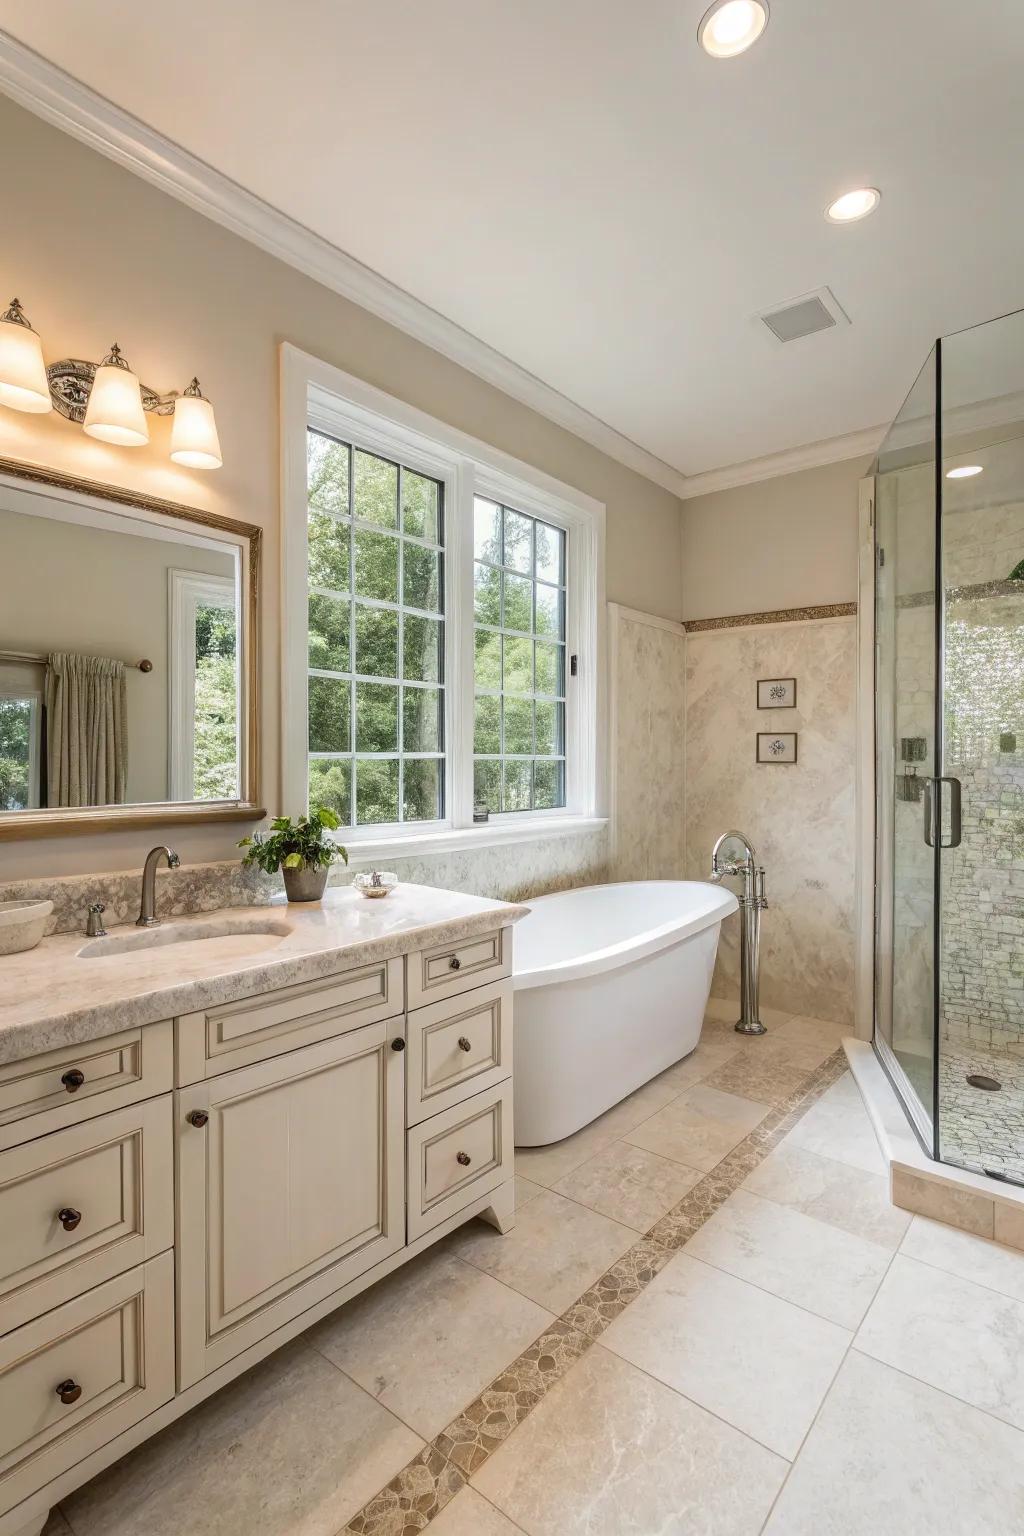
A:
(229, 936)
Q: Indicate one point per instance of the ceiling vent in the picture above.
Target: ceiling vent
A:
(805, 316)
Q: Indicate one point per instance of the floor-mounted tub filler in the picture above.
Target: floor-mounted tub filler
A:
(611, 983)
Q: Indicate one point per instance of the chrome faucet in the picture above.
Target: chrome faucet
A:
(147, 917)
(752, 904)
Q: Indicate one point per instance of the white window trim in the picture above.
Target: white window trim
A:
(187, 590)
(313, 393)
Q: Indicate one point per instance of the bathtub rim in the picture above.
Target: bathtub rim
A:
(626, 951)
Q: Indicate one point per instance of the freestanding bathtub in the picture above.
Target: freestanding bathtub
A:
(611, 983)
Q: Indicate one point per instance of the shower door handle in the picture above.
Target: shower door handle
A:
(933, 813)
(954, 814)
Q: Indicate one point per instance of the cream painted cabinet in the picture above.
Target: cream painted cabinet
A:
(290, 1184)
(182, 1198)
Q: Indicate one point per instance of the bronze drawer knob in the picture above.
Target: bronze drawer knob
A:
(464, 1044)
(69, 1391)
(73, 1080)
(69, 1217)
(463, 1158)
(198, 1118)
(398, 1044)
(455, 964)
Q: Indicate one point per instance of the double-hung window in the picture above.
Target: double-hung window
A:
(519, 660)
(442, 635)
(375, 624)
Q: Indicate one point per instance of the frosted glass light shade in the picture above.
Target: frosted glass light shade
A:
(194, 440)
(114, 413)
(23, 382)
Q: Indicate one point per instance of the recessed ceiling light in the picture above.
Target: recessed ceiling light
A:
(853, 205)
(730, 27)
(963, 471)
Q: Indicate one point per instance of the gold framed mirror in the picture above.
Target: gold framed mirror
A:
(129, 654)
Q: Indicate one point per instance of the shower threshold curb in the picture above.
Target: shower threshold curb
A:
(971, 1201)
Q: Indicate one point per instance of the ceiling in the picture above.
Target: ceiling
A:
(575, 183)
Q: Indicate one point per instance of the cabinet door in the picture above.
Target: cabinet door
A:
(291, 1187)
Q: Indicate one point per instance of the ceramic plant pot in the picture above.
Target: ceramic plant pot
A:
(306, 883)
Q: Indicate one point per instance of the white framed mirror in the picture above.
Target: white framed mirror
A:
(128, 659)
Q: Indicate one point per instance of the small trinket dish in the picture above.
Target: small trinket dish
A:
(379, 882)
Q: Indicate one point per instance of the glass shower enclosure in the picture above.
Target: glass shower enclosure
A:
(949, 751)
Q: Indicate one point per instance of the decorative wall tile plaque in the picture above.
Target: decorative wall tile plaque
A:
(776, 746)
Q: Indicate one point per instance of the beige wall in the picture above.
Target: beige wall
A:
(97, 255)
(790, 542)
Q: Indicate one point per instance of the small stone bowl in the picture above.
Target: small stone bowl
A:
(22, 924)
(379, 882)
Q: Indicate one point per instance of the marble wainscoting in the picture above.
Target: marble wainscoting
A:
(800, 817)
(512, 872)
(648, 682)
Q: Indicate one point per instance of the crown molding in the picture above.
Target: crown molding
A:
(33, 82)
(830, 450)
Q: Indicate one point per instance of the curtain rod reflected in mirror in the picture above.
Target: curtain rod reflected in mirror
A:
(91, 574)
(38, 659)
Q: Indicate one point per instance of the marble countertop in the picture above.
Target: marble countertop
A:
(56, 995)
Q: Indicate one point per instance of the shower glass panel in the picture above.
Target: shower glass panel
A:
(905, 707)
(949, 731)
(980, 957)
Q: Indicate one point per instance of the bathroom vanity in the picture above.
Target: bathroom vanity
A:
(215, 1132)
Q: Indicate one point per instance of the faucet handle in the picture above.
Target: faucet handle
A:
(94, 928)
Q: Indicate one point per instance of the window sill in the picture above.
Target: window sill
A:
(466, 839)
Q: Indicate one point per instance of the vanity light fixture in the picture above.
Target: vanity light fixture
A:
(194, 440)
(730, 27)
(23, 382)
(853, 205)
(107, 398)
(114, 413)
(964, 471)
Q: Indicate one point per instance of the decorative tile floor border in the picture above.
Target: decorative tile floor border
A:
(432, 1479)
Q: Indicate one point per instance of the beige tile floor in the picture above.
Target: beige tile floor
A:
(813, 1362)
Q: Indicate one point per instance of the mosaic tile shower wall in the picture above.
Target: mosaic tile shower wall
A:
(982, 956)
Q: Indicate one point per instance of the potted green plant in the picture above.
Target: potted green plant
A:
(301, 849)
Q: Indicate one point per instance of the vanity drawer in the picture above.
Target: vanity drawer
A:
(455, 968)
(83, 1205)
(256, 1028)
(115, 1345)
(458, 1048)
(456, 1156)
(46, 1093)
